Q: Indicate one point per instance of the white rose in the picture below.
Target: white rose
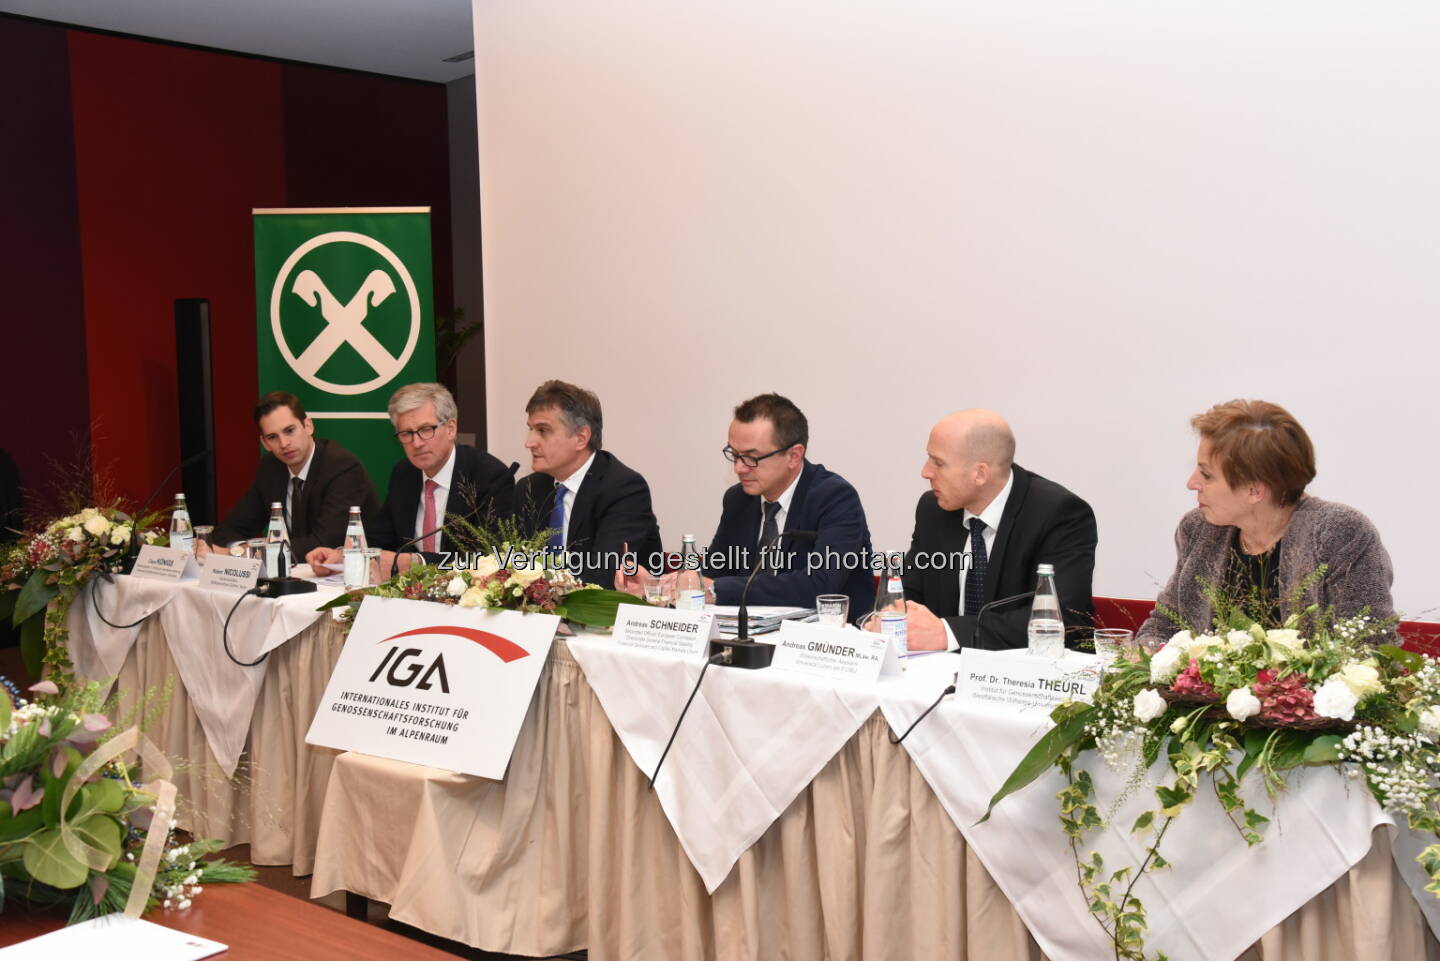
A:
(474, 597)
(1363, 679)
(1285, 637)
(485, 566)
(1335, 699)
(1430, 723)
(456, 587)
(527, 577)
(76, 534)
(1149, 705)
(1166, 664)
(119, 534)
(1180, 639)
(1239, 640)
(1241, 703)
(97, 525)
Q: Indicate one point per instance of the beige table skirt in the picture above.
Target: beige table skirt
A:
(274, 800)
(572, 851)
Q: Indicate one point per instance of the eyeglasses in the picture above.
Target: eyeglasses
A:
(424, 433)
(732, 455)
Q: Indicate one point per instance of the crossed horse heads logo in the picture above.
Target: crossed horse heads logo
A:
(344, 322)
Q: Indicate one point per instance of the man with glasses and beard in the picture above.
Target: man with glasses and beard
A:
(778, 491)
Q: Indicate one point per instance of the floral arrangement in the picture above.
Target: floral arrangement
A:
(53, 564)
(1317, 689)
(75, 828)
(513, 575)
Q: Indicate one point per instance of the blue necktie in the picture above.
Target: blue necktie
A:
(975, 579)
(557, 520)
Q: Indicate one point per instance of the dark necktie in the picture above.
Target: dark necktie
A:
(296, 523)
(770, 531)
(975, 579)
(557, 520)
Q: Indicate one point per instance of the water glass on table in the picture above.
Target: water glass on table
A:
(654, 589)
(203, 533)
(1114, 642)
(832, 610)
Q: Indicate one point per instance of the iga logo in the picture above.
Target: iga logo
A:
(300, 293)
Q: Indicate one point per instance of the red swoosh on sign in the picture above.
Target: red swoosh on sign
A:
(507, 651)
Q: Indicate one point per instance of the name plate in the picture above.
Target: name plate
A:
(837, 653)
(434, 684)
(164, 564)
(684, 634)
(1013, 682)
(235, 575)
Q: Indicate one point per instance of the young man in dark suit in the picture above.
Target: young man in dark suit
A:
(328, 479)
(437, 478)
(595, 506)
(779, 490)
(981, 531)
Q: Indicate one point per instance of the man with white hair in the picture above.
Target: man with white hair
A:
(438, 477)
(981, 531)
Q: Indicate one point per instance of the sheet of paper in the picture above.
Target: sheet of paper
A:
(114, 936)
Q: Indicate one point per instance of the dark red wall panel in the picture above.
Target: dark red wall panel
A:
(43, 320)
(173, 149)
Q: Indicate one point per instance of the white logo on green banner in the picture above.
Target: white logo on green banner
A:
(345, 317)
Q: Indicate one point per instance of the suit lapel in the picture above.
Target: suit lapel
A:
(581, 530)
(1013, 505)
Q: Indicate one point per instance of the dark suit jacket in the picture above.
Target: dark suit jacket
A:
(611, 509)
(1043, 523)
(480, 490)
(336, 482)
(823, 502)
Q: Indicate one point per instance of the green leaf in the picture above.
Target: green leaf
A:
(1041, 757)
(1172, 799)
(22, 825)
(7, 603)
(1254, 744)
(101, 831)
(1409, 660)
(32, 645)
(1325, 749)
(595, 608)
(340, 600)
(105, 796)
(33, 597)
(1143, 822)
(49, 862)
(5, 709)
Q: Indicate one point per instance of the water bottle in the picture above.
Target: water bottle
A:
(1047, 627)
(689, 583)
(182, 534)
(275, 542)
(890, 608)
(354, 550)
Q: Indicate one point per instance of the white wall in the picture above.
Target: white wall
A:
(1096, 218)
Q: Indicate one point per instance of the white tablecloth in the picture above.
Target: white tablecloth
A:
(751, 742)
(1219, 896)
(221, 692)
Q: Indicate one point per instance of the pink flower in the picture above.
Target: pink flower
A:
(1190, 682)
(1284, 701)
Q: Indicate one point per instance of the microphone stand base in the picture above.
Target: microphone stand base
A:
(746, 654)
(281, 586)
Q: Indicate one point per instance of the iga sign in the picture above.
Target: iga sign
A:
(434, 684)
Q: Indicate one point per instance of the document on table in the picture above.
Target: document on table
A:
(114, 935)
(759, 620)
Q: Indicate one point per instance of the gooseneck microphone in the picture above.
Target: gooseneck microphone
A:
(395, 562)
(742, 619)
(998, 602)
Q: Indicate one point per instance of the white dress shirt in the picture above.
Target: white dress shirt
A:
(991, 516)
(443, 479)
(784, 499)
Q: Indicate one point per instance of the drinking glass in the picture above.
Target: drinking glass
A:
(1112, 642)
(832, 610)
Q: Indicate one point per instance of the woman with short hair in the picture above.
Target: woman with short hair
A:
(1256, 535)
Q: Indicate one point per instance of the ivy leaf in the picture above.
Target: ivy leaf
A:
(1040, 758)
(1325, 749)
(1172, 799)
(1143, 822)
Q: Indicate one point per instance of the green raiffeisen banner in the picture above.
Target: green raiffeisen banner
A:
(345, 316)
